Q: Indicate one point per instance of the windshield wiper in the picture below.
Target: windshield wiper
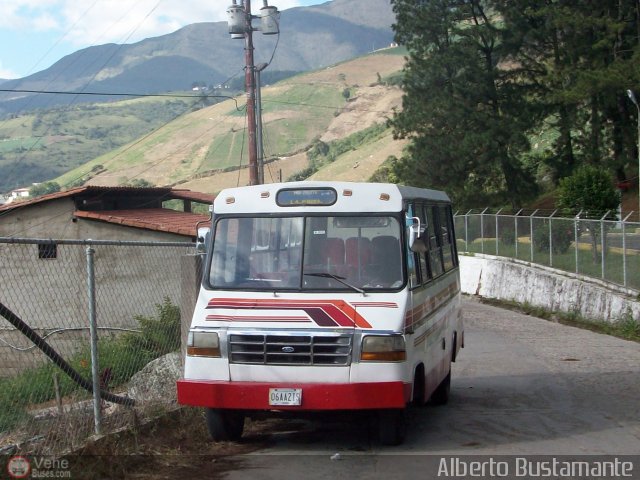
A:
(337, 279)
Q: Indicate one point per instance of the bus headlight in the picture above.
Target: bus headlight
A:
(203, 344)
(383, 348)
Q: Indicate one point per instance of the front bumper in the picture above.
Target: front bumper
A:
(315, 396)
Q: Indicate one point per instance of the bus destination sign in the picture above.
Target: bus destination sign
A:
(314, 197)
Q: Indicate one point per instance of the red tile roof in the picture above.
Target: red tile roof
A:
(193, 196)
(158, 219)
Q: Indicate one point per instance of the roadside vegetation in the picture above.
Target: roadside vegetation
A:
(120, 357)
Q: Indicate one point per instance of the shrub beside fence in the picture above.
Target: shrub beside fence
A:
(132, 290)
(605, 249)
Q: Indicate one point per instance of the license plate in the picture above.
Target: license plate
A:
(285, 396)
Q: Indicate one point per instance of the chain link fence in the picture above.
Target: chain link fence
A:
(596, 247)
(82, 317)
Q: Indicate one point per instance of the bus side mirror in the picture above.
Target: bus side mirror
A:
(416, 231)
(202, 240)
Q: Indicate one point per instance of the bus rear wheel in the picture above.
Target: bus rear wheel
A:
(224, 425)
(392, 426)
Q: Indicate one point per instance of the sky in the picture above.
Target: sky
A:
(34, 34)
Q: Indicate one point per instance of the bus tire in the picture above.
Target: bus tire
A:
(440, 395)
(392, 426)
(224, 425)
(419, 397)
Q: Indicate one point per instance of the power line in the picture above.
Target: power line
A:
(111, 94)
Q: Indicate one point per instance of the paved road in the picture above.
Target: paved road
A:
(632, 241)
(521, 386)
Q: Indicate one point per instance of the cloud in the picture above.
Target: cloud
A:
(116, 21)
(27, 14)
(7, 74)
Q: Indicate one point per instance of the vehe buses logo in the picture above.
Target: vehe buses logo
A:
(18, 467)
(38, 467)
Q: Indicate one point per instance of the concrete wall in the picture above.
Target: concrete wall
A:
(554, 290)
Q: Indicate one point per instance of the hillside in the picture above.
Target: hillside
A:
(311, 38)
(206, 150)
(43, 145)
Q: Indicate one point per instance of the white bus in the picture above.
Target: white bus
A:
(321, 296)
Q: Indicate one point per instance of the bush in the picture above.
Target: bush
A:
(561, 238)
(628, 326)
(43, 189)
(508, 236)
(589, 189)
(160, 335)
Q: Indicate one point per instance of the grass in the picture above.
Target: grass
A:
(322, 154)
(16, 144)
(305, 97)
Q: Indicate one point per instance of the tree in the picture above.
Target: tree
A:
(44, 188)
(138, 183)
(583, 55)
(589, 190)
(465, 107)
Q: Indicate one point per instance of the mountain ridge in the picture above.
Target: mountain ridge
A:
(311, 38)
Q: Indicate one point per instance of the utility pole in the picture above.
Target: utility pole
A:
(259, 138)
(240, 26)
(250, 86)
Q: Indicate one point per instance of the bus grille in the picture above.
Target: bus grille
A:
(263, 349)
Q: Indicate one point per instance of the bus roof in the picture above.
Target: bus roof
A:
(348, 197)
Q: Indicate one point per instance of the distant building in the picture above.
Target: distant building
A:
(17, 194)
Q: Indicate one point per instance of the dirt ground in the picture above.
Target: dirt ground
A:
(175, 446)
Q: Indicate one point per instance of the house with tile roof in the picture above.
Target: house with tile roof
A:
(109, 213)
(44, 275)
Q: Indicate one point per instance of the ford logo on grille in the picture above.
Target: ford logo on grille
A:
(288, 349)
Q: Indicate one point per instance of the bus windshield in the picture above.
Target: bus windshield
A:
(307, 253)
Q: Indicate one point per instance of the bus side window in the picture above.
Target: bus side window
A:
(425, 271)
(446, 229)
(412, 264)
(435, 249)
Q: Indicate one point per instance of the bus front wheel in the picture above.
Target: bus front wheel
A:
(224, 425)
